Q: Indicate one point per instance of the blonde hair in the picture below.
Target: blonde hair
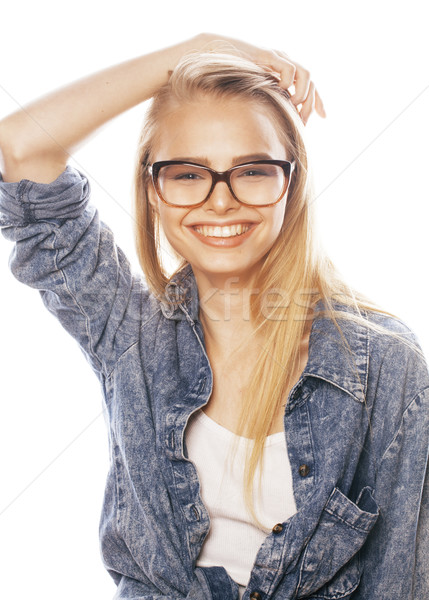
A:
(295, 263)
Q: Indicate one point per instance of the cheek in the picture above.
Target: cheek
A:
(278, 216)
(170, 224)
(167, 219)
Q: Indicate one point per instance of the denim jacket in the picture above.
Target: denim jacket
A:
(356, 425)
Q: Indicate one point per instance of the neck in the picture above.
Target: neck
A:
(225, 309)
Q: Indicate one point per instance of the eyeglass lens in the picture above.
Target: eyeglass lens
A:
(185, 185)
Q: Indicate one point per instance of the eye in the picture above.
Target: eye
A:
(256, 171)
(187, 176)
(183, 173)
(253, 173)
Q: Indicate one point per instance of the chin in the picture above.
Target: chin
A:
(226, 270)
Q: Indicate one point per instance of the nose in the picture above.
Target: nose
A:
(221, 199)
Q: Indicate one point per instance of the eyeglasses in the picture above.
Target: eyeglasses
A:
(258, 183)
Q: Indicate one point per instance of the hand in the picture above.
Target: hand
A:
(305, 98)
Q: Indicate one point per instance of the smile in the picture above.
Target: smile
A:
(222, 232)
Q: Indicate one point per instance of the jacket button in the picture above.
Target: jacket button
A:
(304, 470)
(255, 596)
(278, 528)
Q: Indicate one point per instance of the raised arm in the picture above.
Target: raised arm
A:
(35, 142)
(62, 248)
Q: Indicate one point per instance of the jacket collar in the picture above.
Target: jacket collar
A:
(338, 357)
(181, 296)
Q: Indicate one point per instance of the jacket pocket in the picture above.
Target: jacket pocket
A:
(330, 567)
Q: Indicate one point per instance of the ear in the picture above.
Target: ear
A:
(152, 196)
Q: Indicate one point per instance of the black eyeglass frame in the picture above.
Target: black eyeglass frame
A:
(287, 166)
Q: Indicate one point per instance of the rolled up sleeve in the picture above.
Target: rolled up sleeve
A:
(65, 251)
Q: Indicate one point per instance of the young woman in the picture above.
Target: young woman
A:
(268, 427)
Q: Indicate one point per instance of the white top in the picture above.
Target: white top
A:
(234, 540)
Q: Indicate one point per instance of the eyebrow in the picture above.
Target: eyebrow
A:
(237, 160)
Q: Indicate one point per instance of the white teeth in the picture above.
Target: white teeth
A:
(228, 231)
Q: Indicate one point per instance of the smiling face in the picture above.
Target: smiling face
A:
(221, 238)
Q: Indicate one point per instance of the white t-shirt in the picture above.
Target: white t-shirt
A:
(234, 539)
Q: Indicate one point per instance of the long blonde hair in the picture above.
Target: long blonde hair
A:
(296, 263)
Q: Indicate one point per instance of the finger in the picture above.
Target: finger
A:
(283, 55)
(302, 85)
(284, 67)
(288, 77)
(320, 109)
(308, 104)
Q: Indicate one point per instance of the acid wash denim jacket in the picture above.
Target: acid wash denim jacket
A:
(357, 427)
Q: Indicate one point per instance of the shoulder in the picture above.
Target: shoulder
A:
(398, 376)
(372, 353)
(384, 334)
(391, 339)
(376, 359)
(397, 388)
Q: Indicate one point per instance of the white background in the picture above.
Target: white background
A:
(370, 159)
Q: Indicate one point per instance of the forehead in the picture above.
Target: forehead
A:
(218, 131)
